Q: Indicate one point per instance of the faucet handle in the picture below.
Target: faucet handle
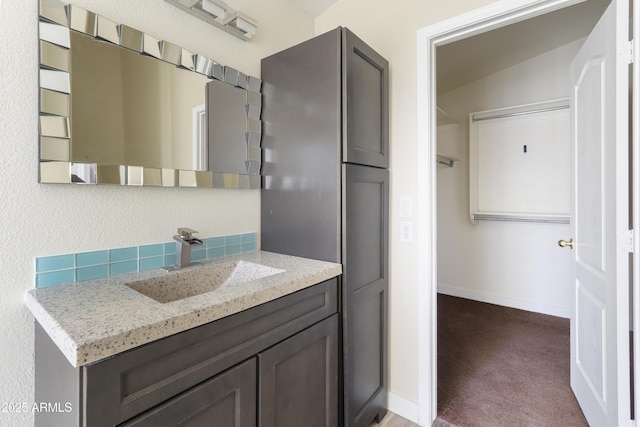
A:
(186, 233)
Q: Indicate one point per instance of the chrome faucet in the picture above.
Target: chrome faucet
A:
(184, 240)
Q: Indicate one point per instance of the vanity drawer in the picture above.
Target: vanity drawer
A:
(125, 385)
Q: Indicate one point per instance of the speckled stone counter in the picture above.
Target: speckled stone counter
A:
(92, 320)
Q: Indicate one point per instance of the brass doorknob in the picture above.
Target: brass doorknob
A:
(564, 243)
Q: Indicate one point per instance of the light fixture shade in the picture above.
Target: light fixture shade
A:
(217, 8)
(244, 23)
(187, 3)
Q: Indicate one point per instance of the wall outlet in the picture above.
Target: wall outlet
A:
(406, 232)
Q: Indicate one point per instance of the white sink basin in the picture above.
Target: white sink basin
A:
(178, 285)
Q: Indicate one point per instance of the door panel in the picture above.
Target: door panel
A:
(367, 353)
(589, 101)
(227, 400)
(600, 319)
(365, 111)
(299, 379)
(365, 292)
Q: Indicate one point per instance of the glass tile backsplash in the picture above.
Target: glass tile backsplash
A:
(58, 269)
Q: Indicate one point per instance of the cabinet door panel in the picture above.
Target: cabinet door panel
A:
(365, 293)
(227, 400)
(366, 104)
(299, 379)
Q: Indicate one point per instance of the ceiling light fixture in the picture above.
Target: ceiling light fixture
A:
(219, 14)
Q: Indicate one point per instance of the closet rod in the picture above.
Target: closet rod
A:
(549, 219)
(521, 113)
(444, 160)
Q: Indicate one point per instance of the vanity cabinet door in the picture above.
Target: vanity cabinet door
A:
(365, 103)
(226, 400)
(299, 379)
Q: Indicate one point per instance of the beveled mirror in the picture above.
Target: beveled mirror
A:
(120, 107)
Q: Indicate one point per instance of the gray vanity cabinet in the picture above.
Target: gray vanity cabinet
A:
(208, 375)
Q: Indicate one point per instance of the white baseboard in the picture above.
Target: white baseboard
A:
(505, 301)
(402, 406)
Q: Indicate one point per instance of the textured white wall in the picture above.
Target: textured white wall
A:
(40, 220)
(514, 264)
(390, 28)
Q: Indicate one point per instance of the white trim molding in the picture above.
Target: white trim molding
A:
(492, 16)
(535, 307)
(402, 406)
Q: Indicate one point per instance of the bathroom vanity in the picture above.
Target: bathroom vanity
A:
(263, 351)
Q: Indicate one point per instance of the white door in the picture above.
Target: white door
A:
(600, 221)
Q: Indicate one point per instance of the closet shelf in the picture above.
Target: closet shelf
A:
(443, 118)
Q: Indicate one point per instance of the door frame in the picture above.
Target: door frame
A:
(492, 16)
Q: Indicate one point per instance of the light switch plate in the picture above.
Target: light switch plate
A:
(406, 207)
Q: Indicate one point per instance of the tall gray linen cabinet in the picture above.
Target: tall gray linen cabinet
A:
(326, 192)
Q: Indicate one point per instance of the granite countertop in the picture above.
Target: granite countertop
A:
(96, 319)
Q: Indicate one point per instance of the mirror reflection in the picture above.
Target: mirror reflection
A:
(150, 112)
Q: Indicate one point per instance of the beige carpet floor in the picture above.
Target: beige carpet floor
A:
(500, 366)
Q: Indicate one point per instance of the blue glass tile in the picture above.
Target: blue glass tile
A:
(170, 259)
(233, 240)
(94, 272)
(82, 266)
(123, 267)
(198, 255)
(54, 278)
(151, 263)
(92, 258)
(123, 254)
(215, 252)
(249, 247)
(248, 237)
(233, 249)
(151, 250)
(52, 263)
(214, 242)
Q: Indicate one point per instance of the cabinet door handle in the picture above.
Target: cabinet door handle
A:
(566, 243)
